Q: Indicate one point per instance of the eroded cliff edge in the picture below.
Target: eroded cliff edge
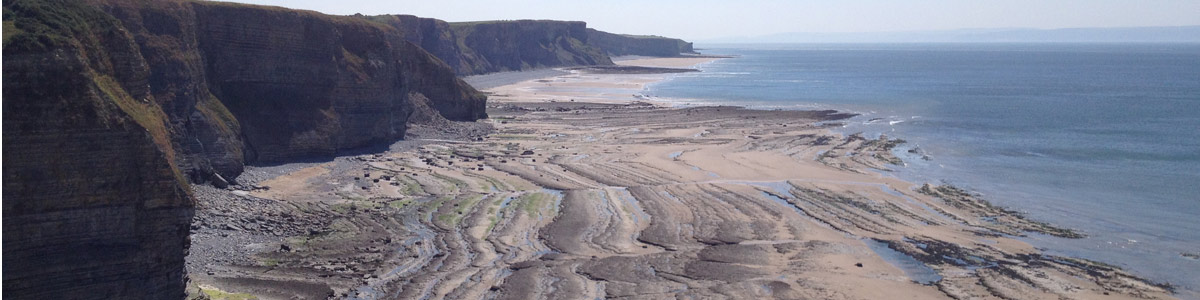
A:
(472, 48)
(110, 106)
(113, 107)
(497, 46)
(624, 44)
(94, 206)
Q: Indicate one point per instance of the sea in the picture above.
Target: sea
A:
(1100, 138)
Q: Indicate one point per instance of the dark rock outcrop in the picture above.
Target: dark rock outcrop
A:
(434, 36)
(496, 46)
(93, 205)
(304, 84)
(622, 44)
(472, 48)
(526, 44)
(108, 103)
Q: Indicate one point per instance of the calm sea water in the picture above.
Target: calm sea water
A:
(1101, 138)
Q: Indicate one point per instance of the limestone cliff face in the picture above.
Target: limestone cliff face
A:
(526, 44)
(109, 103)
(433, 35)
(204, 133)
(496, 46)
(93, 205)
(244, 84)
(305, 84)
(620, 44)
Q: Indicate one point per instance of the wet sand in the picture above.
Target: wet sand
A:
(581, 85)
(608, 197)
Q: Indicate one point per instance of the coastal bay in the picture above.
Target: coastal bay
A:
(583, 188)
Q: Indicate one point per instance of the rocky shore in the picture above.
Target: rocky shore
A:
(606, 200)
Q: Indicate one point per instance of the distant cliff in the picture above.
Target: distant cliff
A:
(434, 36)
(110, 105)
(303, 84)
(496, 46)
(526, 44)
(620, 44)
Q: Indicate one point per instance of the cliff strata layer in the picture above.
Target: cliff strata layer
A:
(94, 207)
(622, 44)
(110, 106)
(472, 48)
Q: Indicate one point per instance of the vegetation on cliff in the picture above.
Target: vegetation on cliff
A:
(111, 106)
(107, 103)
(648, 45)
(496, 46)
(94, 205)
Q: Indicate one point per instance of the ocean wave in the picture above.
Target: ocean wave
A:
(791, 81)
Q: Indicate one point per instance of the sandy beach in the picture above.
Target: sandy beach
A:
(586, 190)
(579, 85)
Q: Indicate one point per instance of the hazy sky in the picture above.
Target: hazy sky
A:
(706, 19)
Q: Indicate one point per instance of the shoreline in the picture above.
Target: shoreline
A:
(580, 85)
(584, 196)
(1051, 230)
(1140, 224)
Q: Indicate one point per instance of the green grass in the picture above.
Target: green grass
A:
(40, 26)
(216, 294)
(493, 220)
(350, 196)
(297, 241)
(355, 205)
(452, 217)
(269, 262)
(215, 111)
(266, 12)
(472, 153)
(400, 203)
(146, 114)
(500, 186)
(635, 36)
(411, 186)
(10, 29)
(454, 182)
(532, 203)
(435, 204)
(515, 136)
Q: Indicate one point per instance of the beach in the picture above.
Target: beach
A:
(586, 188)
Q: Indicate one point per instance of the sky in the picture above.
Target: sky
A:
(713, 19)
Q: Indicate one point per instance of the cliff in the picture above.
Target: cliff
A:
(526, 44)
(108, 103)
(94, 207)
(434, 36)
(621, 44)
(304, 84)
(497, 46)
(472, 48)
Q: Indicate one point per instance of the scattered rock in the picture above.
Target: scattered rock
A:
(218, 181)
